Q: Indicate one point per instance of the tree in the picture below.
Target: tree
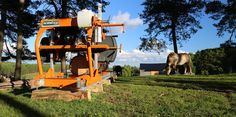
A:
(135, 71)
(225, 14)
(16, 23)
(68, 8)
(19, 47)
(126, 71)
(230, 55)
(210, 61)
(2, 26)
(228, 44)
(21, 24)
(176, 19)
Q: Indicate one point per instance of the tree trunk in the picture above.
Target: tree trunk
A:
(19, 46)
(173, 33)
(55, 8)
(1, 43)
(64, 9)
(18, 56)
(63, 15)
(2, 28)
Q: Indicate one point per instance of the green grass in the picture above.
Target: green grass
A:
(8, 68)
(137, 96)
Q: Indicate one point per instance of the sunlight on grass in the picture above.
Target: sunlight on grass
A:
(137, 96)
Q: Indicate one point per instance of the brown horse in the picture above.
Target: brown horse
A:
(181, 59)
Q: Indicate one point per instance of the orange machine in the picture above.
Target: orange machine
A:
(66, 37)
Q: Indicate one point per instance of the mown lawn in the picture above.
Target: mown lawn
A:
(137, 96)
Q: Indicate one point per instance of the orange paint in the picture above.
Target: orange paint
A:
(51, 79)
(59, 82)
(89, 51)
(74, 47)
(37, 42)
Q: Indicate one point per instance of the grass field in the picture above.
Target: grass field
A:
(137, 96)
(8, 68)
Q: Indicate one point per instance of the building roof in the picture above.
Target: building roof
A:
(152, 66)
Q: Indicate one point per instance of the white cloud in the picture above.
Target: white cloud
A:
(135, 57)
(124, 17)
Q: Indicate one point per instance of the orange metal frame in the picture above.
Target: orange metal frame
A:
(52, 79)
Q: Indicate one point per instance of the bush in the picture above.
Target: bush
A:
(128, 71)
(135, 71)
(209, 61)
(118, 70)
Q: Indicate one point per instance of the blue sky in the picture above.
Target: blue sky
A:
(118, 10)
(204, 38)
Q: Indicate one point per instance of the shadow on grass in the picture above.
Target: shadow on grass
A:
(197, 84)
(122, 80)
(23, 108)
(210, 85)
(18, 87)
(24, 89)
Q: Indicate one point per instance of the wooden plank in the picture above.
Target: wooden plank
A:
(54, 94)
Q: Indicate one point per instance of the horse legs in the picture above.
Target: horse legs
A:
(189, 68)
(174, 66)
(185, 69)
(168, 70)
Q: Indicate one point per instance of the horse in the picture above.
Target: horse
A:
(175, 60)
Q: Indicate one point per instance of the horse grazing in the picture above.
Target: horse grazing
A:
(174, 60)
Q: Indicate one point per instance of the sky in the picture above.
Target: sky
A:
(127, 12)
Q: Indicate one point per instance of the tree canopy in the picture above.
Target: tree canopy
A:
(68, 8)
(14, 20)
(176, 19)
(224, 14)
(215, 61)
